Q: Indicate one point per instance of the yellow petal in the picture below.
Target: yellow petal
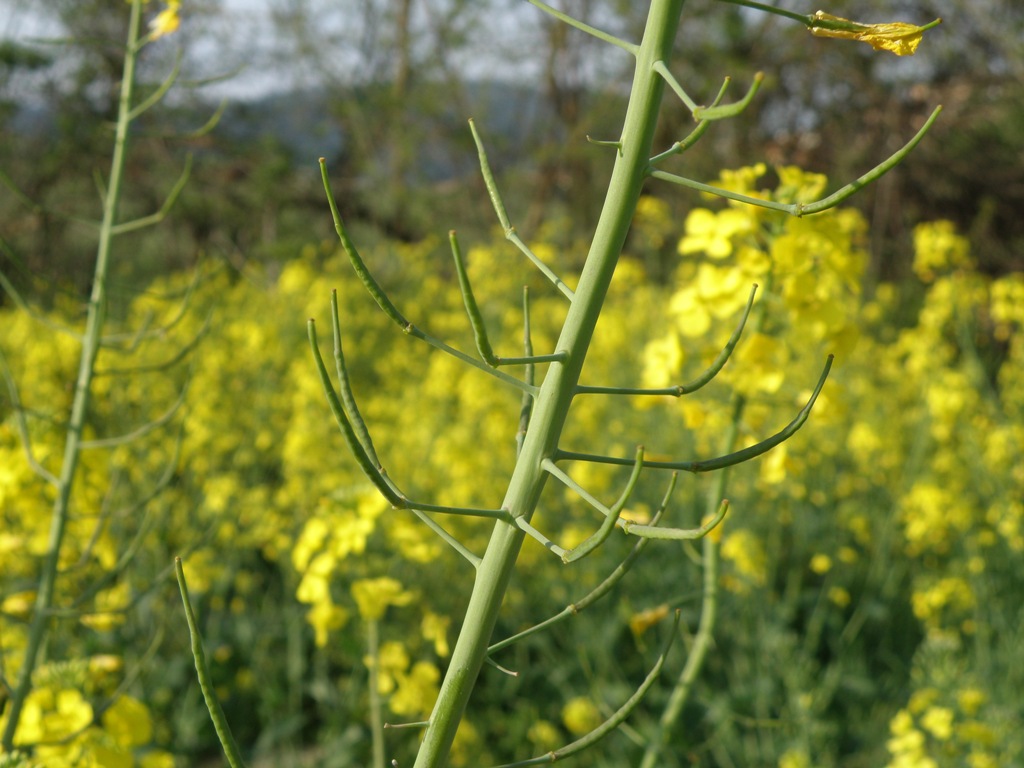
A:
(901, 39)
(898, 37)
(167, 21)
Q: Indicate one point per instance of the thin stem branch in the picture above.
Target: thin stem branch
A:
(220, 723)
(616, 719)
(601, 589)
(802, 209)
(91, 338)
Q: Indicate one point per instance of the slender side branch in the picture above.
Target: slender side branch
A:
(506, 225)
(683, 144)
(526, 407)
(719, 112)
(183, 352)
(801, 209)
(348, 400)
(156, 96)
(386, 305)
(617, 718)
(691, 386)
(127, 343)
(694, 136)
(358, 264)
(714, 111)
(210, 124)
(677, 534)
(372, 471)
(707, 465)
(140, 431)
(165, 209)
(599, 536)
(601, 589)
(448, 539)
(476, 319)
(662, 69)
(629, 48)
(19, 416)
(220, 723)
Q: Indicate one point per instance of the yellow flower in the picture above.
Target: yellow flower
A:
(938, 249)
(662, 360)
(417, 691)
(794, 758)
(544, 734)
(938, 721)
(712, 233)
(167, 21)
(897, 37)
(435, 629)
(745, 551)
(374, 596)
(839, 597)
(392, 661)
(157, 759)
(821, 564)
(580, 716)
(128, 722)
(641, 622)
(970, 700)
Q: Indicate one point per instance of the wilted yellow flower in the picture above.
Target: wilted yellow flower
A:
(897, 37)
(644, 620)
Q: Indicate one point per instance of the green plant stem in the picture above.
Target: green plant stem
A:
(803, 18)
(376, 705)
(708, 611)
(559, 386)
(220, 722)
(91, 338)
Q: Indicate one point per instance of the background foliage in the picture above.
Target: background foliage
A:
(869, 612)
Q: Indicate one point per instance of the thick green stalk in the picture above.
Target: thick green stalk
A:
(556, 393)
(80, 402)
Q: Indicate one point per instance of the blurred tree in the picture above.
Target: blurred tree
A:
(383, 60)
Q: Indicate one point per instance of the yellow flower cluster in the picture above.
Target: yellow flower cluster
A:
(63, 725)
(808, 270)
(411, 688)
(928, 733)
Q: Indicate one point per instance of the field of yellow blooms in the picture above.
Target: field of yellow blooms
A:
(871, 573)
